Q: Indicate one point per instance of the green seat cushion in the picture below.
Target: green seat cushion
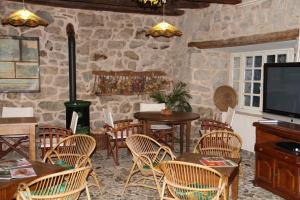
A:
(48, 190)
(195, 195)
(64, 164)
(155, 164)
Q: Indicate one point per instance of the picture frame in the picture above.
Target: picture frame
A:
(19, 64)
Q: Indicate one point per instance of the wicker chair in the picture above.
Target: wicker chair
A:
(191, 181)
(208, 125)
(219, 143)
(147, 155)
(64, 185)
(117, 132)
(51, 135)
(69, 151)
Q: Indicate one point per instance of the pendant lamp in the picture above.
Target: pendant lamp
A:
(24, 17)
(163, 28)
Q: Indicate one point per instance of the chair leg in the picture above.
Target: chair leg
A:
(163, 191)
(129, 177)
(97, 182)
(87, 193)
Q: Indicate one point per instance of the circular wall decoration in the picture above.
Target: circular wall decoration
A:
(225, 96)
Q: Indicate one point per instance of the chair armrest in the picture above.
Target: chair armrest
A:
(49, 155)
(166, 151)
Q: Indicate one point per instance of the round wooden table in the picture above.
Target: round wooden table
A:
(183, 119)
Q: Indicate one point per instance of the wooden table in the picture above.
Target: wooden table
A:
(231, 174)
(8, 188)
(183, 119)
(20, 126)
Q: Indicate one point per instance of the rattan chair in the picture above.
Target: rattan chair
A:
(147, 155)
(219, 143)
(70, 149)
(208, 125)
(64, 185)
(51, 135)
(189, 181)
(117, 132)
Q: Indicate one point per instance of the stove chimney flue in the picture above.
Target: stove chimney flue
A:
(72, 62)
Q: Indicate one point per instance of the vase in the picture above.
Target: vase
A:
(166, 111)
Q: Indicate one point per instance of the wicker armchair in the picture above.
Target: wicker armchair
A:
(64, 185)
(117, 132)
(191, 181)
(147, 155)
(69, 151)
(208, 125)
(219, 143)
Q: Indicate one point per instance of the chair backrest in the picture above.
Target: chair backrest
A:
(74, 122)
(219, 143)
(144, 107)
(228, 116)
(17, 112)
(208, 125)
(192, 181)
(108, 119)
(146, 146)
(63, 185)
(71, 148)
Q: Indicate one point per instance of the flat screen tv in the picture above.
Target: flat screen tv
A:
(281, 92)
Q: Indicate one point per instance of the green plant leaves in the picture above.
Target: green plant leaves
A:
(177, 100)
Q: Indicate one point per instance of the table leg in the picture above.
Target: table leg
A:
(181, 137)
(188, 136)
(235, 186)
(32, 148)
(226, 190)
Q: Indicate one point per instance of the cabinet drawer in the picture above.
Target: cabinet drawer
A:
(275, 152)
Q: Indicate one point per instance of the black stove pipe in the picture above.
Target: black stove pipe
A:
(72, 62)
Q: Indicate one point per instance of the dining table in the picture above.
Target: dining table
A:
(230, 174)
(12, 126)
(8, 188)
(183, 119)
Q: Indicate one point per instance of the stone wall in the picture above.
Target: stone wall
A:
(105, 41)
(208, 69)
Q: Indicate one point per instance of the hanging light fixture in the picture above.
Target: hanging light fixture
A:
(24, 17)
(163, 28)
(151, 3)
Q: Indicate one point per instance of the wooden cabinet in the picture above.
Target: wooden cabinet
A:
(277, 169)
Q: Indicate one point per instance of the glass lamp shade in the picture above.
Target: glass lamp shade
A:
(163, 29)
(24, 17)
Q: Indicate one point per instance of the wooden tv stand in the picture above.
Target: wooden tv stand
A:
(277, 169)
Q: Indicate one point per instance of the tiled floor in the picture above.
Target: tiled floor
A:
(113, 179)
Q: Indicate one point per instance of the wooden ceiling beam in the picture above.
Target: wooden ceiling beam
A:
(247, 40)
(172, 7)
(113, 5)
(233, 2)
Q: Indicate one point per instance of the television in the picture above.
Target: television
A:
(281, 91)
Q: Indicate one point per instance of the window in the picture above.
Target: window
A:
(247, 75)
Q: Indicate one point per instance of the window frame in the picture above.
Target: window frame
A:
(241, 81)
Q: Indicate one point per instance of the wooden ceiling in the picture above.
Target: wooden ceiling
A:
(173, 7)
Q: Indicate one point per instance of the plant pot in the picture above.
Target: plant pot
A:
(166, 111)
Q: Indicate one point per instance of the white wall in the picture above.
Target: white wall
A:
(242, 124)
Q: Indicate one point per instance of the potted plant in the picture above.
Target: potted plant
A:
(177, 100)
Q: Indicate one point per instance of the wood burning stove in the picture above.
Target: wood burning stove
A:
(79, 106)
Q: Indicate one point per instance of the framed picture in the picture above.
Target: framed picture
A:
(19, 64)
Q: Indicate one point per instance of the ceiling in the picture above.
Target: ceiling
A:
(173, 7)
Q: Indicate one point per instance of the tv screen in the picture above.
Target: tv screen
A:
(281, 94)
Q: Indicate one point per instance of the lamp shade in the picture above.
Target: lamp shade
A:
(163, 29)
(24, 17)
